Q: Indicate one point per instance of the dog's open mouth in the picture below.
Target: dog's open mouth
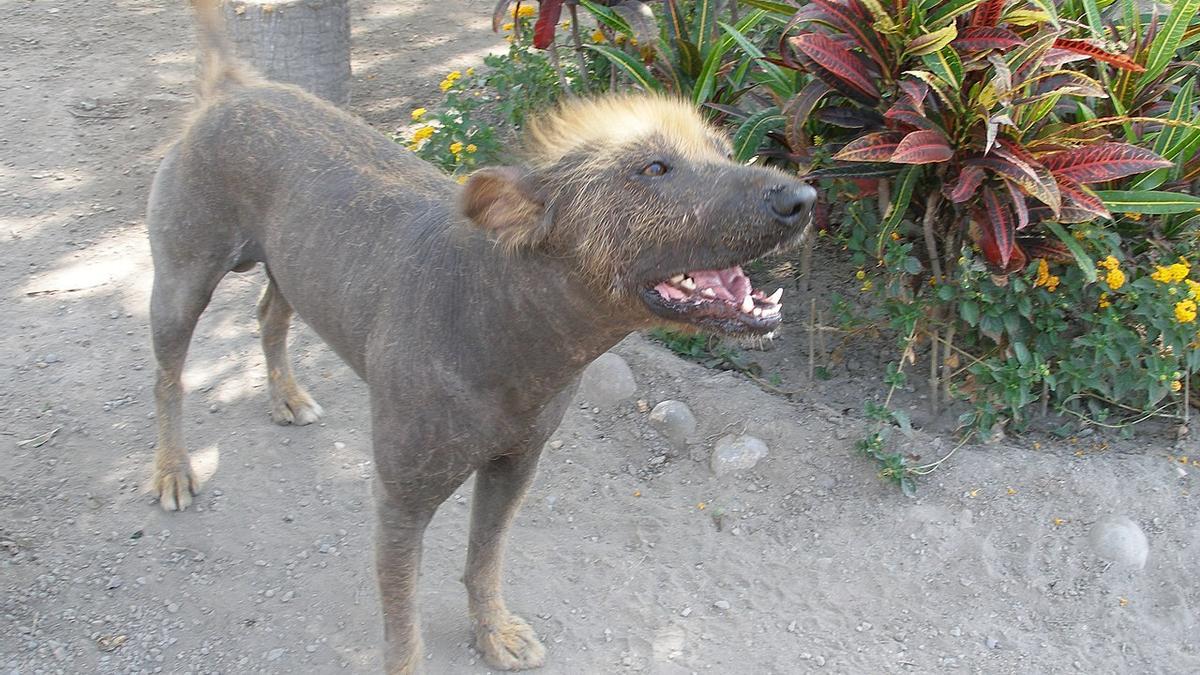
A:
(722, 300)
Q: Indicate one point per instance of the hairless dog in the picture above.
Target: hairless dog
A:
(469, 310)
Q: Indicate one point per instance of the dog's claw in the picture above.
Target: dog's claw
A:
(175, 488)
(298, 409)
(509, 643)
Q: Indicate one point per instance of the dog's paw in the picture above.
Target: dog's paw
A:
(508, 643)
(298, 408)
(175, 488)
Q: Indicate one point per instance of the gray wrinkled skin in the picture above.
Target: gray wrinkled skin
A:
(471, 352)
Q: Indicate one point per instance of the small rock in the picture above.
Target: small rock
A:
(992, 643)
(685, 612)
(274, 654)
(607, 381)
(675, 421)
(1120, 540)
(722, 605)
(114, 582)
(172, 607)
(819, 660)
(310, 648)
(736, 453)
(791, 627)
(555, 444)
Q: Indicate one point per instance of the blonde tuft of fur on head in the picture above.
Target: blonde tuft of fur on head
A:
(616, 121)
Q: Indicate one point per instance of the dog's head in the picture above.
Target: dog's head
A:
(641, 195)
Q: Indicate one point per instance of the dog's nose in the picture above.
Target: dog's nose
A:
(790, 203)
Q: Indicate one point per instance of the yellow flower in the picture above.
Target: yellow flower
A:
(418, 113)
(422, 134)
(461, 179)
(1193, 288)
(1176, 385)
(860, 275)
(1115, 279)
(895, 236)
(525, 11)
(867, 285)
(1171, 273)
(456, 147)
(446, 84)
(1185, 311)
(471, 147)
(470, 72)
(1109, 263)
(1044, 278)
(507, 26)
(1104, 301)
(1133, 216)
(453, 75)
(598, 36)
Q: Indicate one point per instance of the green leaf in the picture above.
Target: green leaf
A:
(777, 80)
(1022, 352)
(630, 65)
(1172, 139)
(912, 265)
(706, 82)
(749, 136)
(944, 12)
(947, 65)
(1081, 257)
(704, 22)
(607, 17)
(1148, 201)
(1166, 42)
(1092, 12)
(930, 42)
(905, 183)
(768, 5)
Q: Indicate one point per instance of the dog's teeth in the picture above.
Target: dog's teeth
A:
(677, 279)
(747, 304)
(708, 293)
(771, 311)
(687, 284)
(774, 299)
(757, 311)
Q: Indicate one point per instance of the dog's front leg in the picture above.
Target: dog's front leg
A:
(505, 639)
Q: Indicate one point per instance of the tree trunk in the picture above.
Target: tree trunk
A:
(301, 42)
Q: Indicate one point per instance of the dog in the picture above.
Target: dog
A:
(469, 311)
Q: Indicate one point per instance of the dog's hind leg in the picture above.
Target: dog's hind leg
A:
(290, 403)
(176, 302)
(505, 639)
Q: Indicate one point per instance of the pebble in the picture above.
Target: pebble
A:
(1120, 540)
(172, 607)
(274, 654)
(555, 444)
(722, 605)
(607, 382)
(675, 421)
(114, 582)
(736, 453)
(992, 643)
(685, 612)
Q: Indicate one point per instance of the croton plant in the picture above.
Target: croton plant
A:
(987, 107)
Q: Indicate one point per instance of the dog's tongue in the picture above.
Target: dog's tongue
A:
(729, 284)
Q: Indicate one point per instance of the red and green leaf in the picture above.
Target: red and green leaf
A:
(988, 14)
(825, 54)
(1099, 54)
(981, 38)
(923, 147)
(969, 180)
(999, 230)
(798, 109)
(852, 23)
(874, 147)
(1028, 179)
(847, 117)
(1081, 198)
(1106, 161)
(543, 31)
(1019, 206)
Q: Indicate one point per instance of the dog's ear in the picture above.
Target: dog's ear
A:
(506, 202)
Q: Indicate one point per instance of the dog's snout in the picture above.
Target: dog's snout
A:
(789, 203)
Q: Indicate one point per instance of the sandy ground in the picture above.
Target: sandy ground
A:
(806, 563)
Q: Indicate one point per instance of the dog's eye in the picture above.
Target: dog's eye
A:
(655, 169)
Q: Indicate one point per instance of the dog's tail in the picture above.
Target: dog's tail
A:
(218, 66)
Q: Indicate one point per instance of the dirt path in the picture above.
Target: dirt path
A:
(805, 563)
